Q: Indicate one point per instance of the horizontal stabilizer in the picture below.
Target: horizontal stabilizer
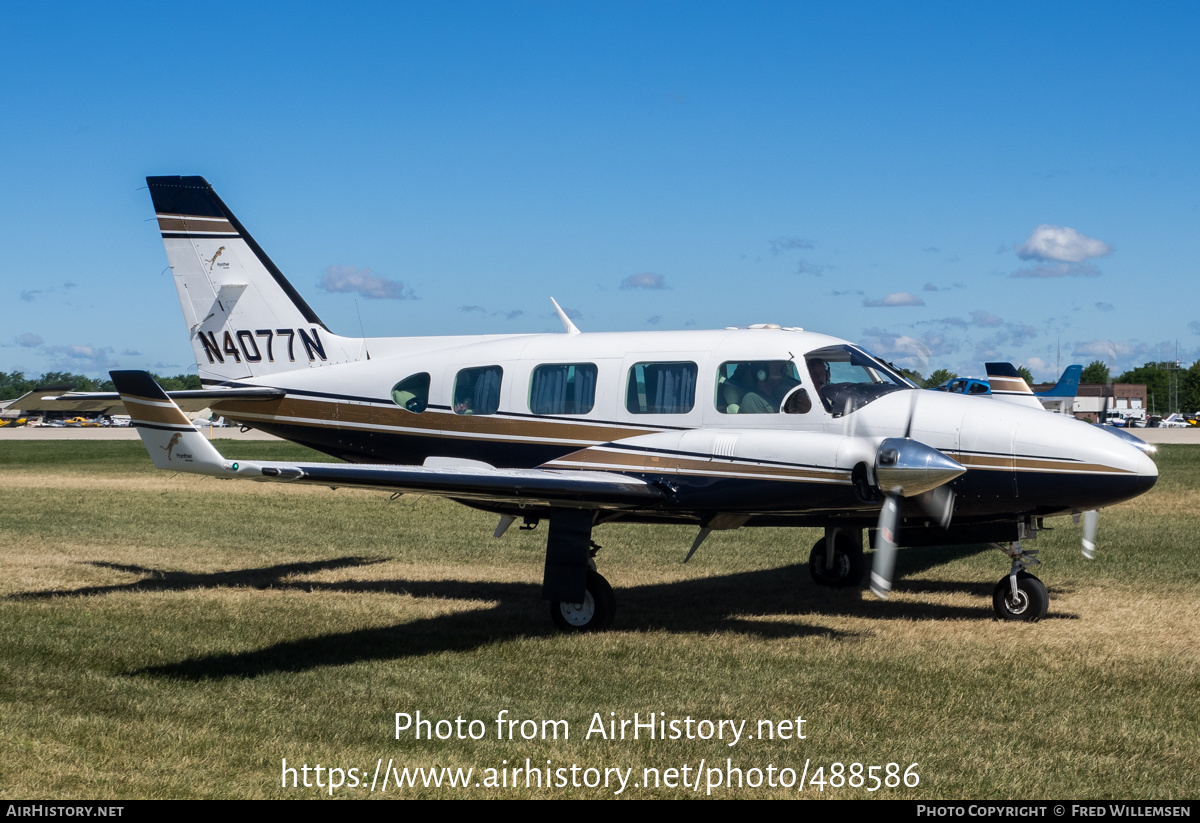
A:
(171, 439)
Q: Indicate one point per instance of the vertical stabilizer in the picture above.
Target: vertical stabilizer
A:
(1008, 384)
(244, 317)
(1067, 385)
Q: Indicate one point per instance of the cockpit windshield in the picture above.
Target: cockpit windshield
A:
(847, 378)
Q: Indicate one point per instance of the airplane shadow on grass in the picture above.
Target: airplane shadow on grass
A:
(743, 603)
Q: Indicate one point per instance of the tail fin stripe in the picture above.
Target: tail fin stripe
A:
(171, 224)
(142, 424)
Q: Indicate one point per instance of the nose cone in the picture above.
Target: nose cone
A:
(1075, 466)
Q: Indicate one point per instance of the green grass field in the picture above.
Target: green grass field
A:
(176, 636)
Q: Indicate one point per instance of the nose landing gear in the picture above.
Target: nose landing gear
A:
(1019, 595)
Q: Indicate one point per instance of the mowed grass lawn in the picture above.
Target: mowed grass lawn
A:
(176, 636)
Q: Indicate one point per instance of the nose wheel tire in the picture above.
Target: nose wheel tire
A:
(1029, 604)
(594, 614)
(847, 568)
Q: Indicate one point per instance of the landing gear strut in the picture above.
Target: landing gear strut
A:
(837, 559)
(580, 599)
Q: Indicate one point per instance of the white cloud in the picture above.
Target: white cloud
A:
(348, 279)
(644, 280)
(898, 298)
(1109, 350)
(1020, 334)
(979, 317)
(1050, 270)
(1039, 367)
(905, 350)
(782, 244)
(29, 340)
(1061, 244)
(1102, 306)
(81, 357)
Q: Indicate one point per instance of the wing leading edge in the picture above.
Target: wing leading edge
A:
(175, 444)
(191, 400)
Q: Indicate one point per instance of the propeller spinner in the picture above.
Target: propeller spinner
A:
(908, 468)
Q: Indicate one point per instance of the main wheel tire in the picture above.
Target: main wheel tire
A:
(848, 565)
(594, 614)
(1030, 603)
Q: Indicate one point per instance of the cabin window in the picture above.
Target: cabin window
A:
(661, 388)
(755, 386)
(477, 391)
(564, 388)
(412, 393)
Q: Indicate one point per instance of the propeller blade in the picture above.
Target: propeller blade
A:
(939, 504)
(1091, 520)
(912, 412)
(885, 547)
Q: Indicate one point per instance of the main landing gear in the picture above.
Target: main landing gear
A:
(580, 598)
(837, 559)
(594, 614)
(1019, 595)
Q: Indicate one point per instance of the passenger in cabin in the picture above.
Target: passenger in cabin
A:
(772, 383)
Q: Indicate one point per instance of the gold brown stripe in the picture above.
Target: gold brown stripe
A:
(195, 225)
(326, 413)
(155, 412)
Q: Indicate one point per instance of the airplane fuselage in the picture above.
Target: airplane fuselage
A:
(810, 466)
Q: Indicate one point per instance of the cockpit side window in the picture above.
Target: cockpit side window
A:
(412, 393)
(846, 378)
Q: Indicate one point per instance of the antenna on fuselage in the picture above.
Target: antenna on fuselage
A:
(566, 321)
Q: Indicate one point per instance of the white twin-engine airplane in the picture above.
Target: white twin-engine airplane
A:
(758, 426)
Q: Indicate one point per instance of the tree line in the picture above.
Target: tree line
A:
(14, 384)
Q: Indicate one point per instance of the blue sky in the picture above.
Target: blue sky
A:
(943, 183)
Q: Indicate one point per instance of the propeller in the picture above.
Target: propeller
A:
(908, 468)
(1091, 519)
(885, 548)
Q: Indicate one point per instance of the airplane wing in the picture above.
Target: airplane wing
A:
(191, 400)
(175, 444)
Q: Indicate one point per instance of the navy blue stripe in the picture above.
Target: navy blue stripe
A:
(162, 427)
